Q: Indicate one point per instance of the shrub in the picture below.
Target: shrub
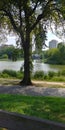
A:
(11, 73)
(19, 75)
(4, 56)
(63, 72)
(46, 76)
(39, 75)
(4, 75)
(58, 73)
(51, 74)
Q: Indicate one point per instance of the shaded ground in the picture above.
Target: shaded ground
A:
(35, 90)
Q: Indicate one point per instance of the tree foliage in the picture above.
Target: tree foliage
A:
(10, 52)
(56, 55)
(40, 37)
(25, 17)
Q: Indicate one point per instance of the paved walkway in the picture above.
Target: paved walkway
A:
(32, 90)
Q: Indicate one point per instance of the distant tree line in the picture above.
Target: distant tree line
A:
(55, 55)
(10, 52)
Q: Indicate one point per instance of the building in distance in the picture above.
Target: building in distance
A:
(53, 44)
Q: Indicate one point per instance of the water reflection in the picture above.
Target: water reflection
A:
(37, 66)
(10, 65)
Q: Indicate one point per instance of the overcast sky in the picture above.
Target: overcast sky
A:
(50, 36)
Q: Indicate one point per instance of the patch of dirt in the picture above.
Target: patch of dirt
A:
(49, 84)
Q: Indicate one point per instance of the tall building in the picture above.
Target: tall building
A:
(53, 44)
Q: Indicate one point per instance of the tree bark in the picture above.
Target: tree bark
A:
(27, 75)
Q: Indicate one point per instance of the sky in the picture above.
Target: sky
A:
(50, 36)
(11, 40)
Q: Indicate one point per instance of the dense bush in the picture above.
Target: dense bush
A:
(59, 73)
(19, 75)
(63, 72)
(45, 77)
(51, 74)
(38, 75)
(4, 56)
(10, 72)
(4, 75)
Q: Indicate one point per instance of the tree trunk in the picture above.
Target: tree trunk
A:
(27, 77)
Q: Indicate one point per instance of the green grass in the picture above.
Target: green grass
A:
(50, 76)
(39, 75)
(52, 108)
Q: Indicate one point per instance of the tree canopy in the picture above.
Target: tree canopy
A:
(55, 55)
(24, 18)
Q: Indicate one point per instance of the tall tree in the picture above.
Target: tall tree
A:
(24, 16)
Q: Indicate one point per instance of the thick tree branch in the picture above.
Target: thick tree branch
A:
(30, 13)
(9, 15)
(42, 15)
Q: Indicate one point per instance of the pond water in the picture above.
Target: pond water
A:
(37, 66)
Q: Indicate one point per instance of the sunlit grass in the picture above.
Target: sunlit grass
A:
(51, 108)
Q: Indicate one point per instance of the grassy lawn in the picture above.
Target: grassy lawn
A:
(51, 108)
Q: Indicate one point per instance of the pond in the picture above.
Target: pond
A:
(37, 66)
